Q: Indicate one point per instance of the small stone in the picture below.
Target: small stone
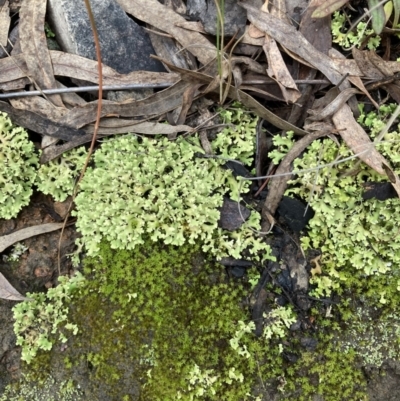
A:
(309, 343)
(230, 218)
(296, 325)
(237, 271)
(42, 272)
(61, 208)
(295, 213)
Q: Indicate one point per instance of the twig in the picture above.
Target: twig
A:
(96, 126)
(83, 89)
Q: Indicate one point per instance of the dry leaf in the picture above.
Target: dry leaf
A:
(167, 20)
(290, 38)
(4, 23)
(20, 235)
(40, 106)
(73, 66)
(246, 99)
(195, 26)
(256, 40)
(355, 80)
(36, 123)
(333, 106)
(157, 104)
(254, 32)
(277, 69)
(7, 291)
(360, 144)
(328, 7)
(112, 126)
(317, 269)
(34, 46)
(276, 66)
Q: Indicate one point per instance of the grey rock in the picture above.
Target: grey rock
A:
(125, 46)
(310, 344)
(230, 218)
(295, 213)
(206, 12)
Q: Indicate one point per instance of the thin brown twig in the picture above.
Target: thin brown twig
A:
(96, 126)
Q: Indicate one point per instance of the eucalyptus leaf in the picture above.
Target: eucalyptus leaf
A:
(327, 8)
(396, 7)
(378, 15)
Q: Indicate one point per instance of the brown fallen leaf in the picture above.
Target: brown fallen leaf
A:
(333, 106)
(317, 269)
(73, 66)
(195, 26)
(277, 68)
(237, 94)
(7, 291)
(112, 126)
(167, 20)
(355, 80)
(40, 106)
(360, 144)
(318, 33)
(328, 7)
(290, 38)
(155, 105)
(39, 124)
(34, 46)
(20, 235)
(4, 23)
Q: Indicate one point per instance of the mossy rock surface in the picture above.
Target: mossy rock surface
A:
(146, 319)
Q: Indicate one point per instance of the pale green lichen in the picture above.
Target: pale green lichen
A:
(374, 339)
(358, 238)
(237, 140)
(17, 250)
(18, 164)
(140, 186)
(37, 320)
(28, 389)
(355, 37)
(58, 177)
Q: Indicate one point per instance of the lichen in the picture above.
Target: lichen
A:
(38, 320)
(58, 177)
(18, 164)
(27, 389)
(143, 187)
(358, 238)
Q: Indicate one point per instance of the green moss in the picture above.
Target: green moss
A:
(168, 314)
(327, 372)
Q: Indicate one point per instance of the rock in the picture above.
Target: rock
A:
(238, 169)
(309, 343)
(230, 262)
(379, 190)
(236, 271)
(125, 46)
(206, 12)
(294, 213)
(230, 217)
